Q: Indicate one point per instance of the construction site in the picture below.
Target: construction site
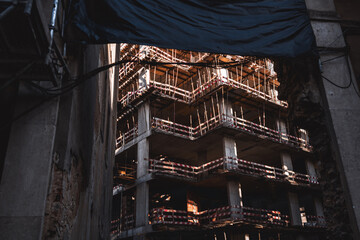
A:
(204, 150)
(184, 120)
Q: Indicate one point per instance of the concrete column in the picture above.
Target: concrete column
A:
(144, 121)
(233, 187)
(294, 207)
(287, 165)
(281, 127)
(286, 161)
(234, 194)
(230, 150)
(343, 104)
(310, 168)
(144, 78)
(142, 189)
(319, 210)
(227, 110)
(27, 168)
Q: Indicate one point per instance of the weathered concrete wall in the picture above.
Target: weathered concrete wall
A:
(300, 86)
(331, 115)
(342, 106)
(79, 200)
(57, 178)
(27, 168)
(349, 19)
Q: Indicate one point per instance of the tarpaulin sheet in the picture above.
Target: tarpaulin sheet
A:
(241, 27)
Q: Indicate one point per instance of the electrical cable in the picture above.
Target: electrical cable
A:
(351, 82)
(351, 78)
(336, 85)
(331, 59)
(55, 92)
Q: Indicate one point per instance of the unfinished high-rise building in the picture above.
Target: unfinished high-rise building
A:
(205, 151)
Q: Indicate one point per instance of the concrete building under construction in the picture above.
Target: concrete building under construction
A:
(101, 139)
(205, 151)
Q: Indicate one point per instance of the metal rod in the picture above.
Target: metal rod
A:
(52, 28)
(7, 11)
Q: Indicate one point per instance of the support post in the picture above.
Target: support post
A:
(142, 189)
(144, 78)
(233, 187)
(310, 168)
(281, 126)
(294, 207)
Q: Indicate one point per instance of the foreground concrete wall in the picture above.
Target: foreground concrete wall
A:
(331, 115)
(343, 103)
(57, 178)
(26, 173)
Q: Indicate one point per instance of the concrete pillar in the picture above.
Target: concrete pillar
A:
(142, 189)
(230, 151)
(144, 78)
(343, 104)
(319, 210)
(310, 168)
(27, 168)
(281, 127)
(227, 110)
(287, 165)
(294, 208)
(234, 194)
(144, 121)
(233, 187)
(286, 161)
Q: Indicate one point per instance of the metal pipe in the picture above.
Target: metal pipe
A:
(28, 7)
(7, 11)
(52, 28)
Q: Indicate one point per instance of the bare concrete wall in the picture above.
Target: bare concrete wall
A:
(57, 178)
(331, 115)
(79, 200)
(349, 19)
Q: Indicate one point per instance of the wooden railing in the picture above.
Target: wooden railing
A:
(193, 173)
(218, 215)
(189, 97)
(214, 217)
(238, 123)
(232, 122)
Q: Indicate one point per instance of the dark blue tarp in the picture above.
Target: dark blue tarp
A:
(242, 27)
